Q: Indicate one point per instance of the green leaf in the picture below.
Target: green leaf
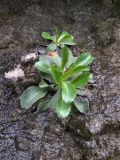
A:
(31, 95)
(43, 106)
(55, 74)
(80, 69)
(67, 41)
(82, 79)
(68, 92)
(61, 45)
(72, 71)
(55, 59)
(68, 72)
(46, 59)
(51, 59)
(71, 58)
(54, 99)
(62, 109)
(51, 47)
(84, 59)
(57, 34)
(47, 36)
(42, 66)
(64, 35)
(46, 76)
(43, 84)
(44, 63)
(64, 55)
(82, 106)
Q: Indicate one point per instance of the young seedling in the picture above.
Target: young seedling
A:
(64, 75)
(58, 40)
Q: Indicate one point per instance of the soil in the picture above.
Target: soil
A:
(96, 27)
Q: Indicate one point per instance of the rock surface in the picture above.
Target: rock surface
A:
(94, 136)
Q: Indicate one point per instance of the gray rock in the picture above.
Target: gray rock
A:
(93, 136)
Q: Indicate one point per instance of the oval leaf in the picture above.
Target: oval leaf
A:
(51, 47)
(31, 95)
(57, 35)
(43, 84)
(64, 55)
(65, 35)
(42, 106)
(70, 72)
(82, 79)
(84, 59)
(42, 66)
(80, 69)
(46, 76)
(71, 58)
(68, 92)
(54, 57)
(82, 107)
(47, 36)
(62, 109)
(55, 74)
(67, 41)
(55, 98)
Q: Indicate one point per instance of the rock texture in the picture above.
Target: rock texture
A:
(94, 136)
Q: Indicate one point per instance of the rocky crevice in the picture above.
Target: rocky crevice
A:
(94, 136)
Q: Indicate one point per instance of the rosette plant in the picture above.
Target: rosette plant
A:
(62, 76)
(59, 40)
